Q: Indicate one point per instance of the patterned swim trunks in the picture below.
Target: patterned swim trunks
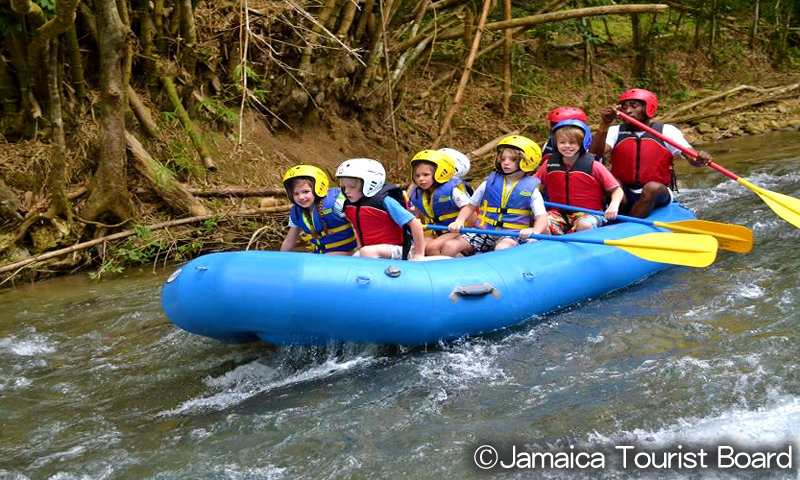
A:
(563, 222)
(480, 242)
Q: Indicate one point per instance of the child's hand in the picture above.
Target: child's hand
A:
(417, 258)
(611, 212)
(525, 233)
(455, 226)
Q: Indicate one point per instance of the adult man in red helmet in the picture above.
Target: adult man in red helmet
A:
(641, 162)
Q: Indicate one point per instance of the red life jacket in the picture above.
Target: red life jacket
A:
(576, 186)
(636, 160)
(373, 224)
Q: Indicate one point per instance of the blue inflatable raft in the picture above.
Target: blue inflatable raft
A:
(306, 299)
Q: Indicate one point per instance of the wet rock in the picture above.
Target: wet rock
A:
(705, 128)
(722, 123)
(753, 128)
(794, 123)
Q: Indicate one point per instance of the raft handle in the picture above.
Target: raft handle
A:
(392, 271)
(474, 290)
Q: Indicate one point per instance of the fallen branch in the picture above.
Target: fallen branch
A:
(128, 233)
(142, 113)
(770, 97)
(669, 116)
(479, 152)
(529, 21)
(237, 192)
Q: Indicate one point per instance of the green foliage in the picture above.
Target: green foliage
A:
(216, 105)
(170, 116)
(180, 161)
(188, 250)
(210, 223)
(109, 266)
(251, 74)
(7, 21)
(48, 6)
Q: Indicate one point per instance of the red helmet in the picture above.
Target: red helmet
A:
(567, 113)
(649, 98)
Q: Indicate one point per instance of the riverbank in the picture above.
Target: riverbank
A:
(241, 204)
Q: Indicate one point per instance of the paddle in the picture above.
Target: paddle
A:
(676, 248)
(785, 206)
(734, 238)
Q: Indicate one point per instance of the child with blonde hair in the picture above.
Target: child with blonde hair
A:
(317, 211)
(508, 200)
(436, 195)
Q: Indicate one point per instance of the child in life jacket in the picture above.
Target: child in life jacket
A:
(437, 195)
(317, 212)
(384, 227)
(558, 115)
(508, 200)
(571, 176)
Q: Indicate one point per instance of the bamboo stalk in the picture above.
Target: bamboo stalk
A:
(194, 133)
(75, 63)
(464, 76)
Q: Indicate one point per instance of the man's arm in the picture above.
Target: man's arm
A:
(599, 146)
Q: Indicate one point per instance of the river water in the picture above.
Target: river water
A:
(95, 383)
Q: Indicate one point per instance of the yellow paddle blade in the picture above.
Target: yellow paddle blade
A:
(788, 208)
(676, 248)
(730, 237)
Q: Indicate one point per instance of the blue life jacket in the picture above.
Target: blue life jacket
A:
(498, 212)
(439, 207)
(327, 232)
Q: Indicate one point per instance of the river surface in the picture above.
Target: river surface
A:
(95, 383)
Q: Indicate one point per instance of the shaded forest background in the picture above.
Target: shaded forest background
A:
(144, 132)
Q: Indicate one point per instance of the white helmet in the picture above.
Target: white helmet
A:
(461, 161)
(369, 171)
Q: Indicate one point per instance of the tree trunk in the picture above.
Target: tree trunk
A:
(754, 28)
(64, 19)
(588, 51)
(162, 181)
(8, 92)
(639, 58)
(57, 179)
(712, 34)
(109, 193)
(507, 50)
(10, 206)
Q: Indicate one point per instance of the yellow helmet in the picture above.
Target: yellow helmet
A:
(531, 152)
(445, 167)
(318, 179)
